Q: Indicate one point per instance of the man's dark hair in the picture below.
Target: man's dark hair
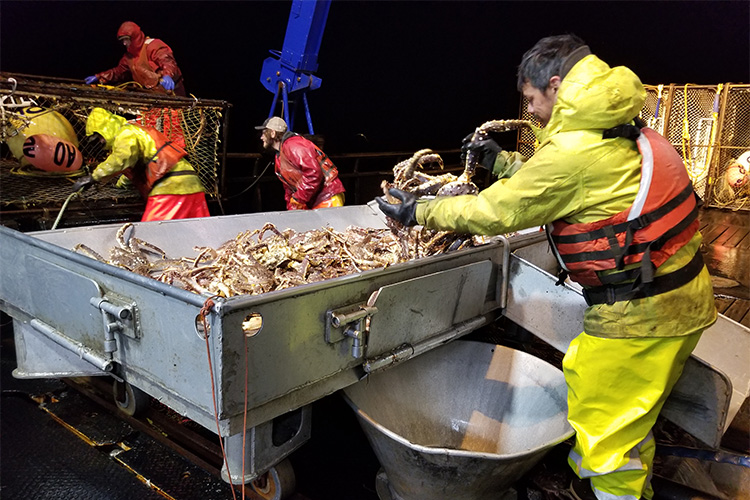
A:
(550, 56)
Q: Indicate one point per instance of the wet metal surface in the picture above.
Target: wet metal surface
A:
(94, 425)
(726, 250)
(171, 472)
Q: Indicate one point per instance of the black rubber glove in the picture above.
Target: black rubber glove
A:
(485, 149)
(404, 212)
(83, 183)
(92, 145)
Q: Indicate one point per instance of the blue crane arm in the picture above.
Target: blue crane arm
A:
(291, 69)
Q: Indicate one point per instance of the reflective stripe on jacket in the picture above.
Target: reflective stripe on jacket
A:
(661, 219)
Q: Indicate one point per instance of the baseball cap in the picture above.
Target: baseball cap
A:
(273, 123)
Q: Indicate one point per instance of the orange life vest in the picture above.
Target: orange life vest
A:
(145, 177)
(661, 220)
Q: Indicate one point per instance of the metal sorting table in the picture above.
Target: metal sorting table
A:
(75, 316)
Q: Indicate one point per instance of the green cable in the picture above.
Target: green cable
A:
(62, 210)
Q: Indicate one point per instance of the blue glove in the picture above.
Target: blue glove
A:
(167, 82)
(404, 212)
(91, 79)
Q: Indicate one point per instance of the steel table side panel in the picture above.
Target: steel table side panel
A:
(53, 285)
(289, 363)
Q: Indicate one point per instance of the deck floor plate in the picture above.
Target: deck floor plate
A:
(42, 461)
(171, 473)
(87, 419)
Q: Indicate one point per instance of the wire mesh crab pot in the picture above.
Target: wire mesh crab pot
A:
(688, 116)
(729, 182)
(198, 125)
(527, 143)
(707, 125)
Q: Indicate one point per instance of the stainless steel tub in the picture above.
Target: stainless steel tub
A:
(464, 421)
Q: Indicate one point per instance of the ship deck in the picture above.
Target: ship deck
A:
(59, 444)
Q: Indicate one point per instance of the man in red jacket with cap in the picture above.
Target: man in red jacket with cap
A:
(149, 61)
(310, 178)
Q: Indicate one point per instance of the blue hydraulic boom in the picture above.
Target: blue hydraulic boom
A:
(291, 70)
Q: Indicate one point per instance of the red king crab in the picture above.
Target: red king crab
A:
(407, 176)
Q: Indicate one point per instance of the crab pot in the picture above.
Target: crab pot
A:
(463, 421)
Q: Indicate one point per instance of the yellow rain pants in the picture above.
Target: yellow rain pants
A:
(616, 389)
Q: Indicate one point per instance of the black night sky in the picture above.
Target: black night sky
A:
(396, 75)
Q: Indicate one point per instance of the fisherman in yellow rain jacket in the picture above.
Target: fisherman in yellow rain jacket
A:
(622, 216)
(153, 164)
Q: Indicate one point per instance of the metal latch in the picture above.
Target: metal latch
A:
(118, 318)
(349, 322)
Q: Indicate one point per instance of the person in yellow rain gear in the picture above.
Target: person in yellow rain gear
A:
(149, 61)
(153, 164)
(621, 215)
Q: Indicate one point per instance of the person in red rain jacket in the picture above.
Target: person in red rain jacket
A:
(149, 61)
(310, 178)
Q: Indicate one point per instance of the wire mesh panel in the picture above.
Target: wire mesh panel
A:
(197, 125)
(656, 106)
(730, 169)
(692, 124)
(527, 143)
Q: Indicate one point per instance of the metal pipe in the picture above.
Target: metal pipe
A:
(406, 351)
(307, 113)
(76, 347)
(275, 100)
(113, 325)
(285, 100)
(118, 312)
(339, 318)
(457, 331)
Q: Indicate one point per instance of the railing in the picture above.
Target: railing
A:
(255, 188)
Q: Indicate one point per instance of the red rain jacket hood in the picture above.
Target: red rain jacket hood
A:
(132, 30)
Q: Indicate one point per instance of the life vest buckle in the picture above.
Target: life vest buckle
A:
(561, 277)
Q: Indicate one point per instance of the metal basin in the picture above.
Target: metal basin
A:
(463, 421)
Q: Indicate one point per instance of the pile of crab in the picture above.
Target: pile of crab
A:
(267, 259)
(409, 176)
